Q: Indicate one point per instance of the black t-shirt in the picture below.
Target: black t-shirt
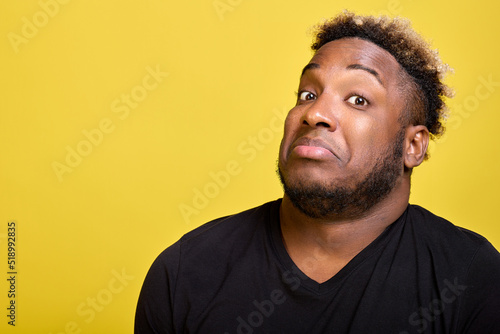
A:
(234, 275)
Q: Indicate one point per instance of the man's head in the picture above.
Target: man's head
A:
(367, 102)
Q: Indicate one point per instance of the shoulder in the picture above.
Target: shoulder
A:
(467, 263)
(196, 263)
(242, 222)
(431, 227)
(452, 250)
(453, 246)
(221, 235)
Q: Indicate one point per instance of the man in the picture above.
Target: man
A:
(343, 251)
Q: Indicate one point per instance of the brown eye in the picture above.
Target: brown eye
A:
(306, 96)
(357, 100)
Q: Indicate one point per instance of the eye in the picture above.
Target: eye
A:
(306, 96)
(357, 100)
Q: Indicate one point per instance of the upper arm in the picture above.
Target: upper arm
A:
(480, 308)
(154, 313)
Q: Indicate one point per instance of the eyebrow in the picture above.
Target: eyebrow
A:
(367, 69)
(309, 66)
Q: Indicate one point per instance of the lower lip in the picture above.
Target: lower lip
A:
(312, 152)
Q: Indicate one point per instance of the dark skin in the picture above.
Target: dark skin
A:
(347, 114)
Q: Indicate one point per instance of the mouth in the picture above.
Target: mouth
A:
(312, 148)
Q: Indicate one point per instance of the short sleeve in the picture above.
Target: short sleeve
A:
(154, 313)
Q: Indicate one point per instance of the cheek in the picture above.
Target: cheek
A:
(363, 127)
(366, 138)
(290, 129)
(292, 116)
(292, 123)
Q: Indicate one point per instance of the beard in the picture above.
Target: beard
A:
(328, 200)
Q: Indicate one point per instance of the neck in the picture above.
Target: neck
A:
(321, 247)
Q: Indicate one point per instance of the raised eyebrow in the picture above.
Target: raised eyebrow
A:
(367, 69)
(309, 66)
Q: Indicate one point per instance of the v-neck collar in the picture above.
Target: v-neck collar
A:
(289, 269)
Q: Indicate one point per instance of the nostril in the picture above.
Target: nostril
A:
(326, 125)
(316, 117)
(323, 124)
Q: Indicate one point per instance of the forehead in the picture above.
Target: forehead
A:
(346, 52)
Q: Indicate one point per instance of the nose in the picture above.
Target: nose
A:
(320, 113)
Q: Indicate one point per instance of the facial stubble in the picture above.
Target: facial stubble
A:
(327, 200)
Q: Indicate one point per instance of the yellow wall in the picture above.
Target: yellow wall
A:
(172, 93)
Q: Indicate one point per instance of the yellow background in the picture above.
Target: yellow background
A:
(232, 70)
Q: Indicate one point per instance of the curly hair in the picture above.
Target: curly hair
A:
(422, 64)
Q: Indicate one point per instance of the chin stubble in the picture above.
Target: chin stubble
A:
(327, 200)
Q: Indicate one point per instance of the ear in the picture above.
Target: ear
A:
(416, 142)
